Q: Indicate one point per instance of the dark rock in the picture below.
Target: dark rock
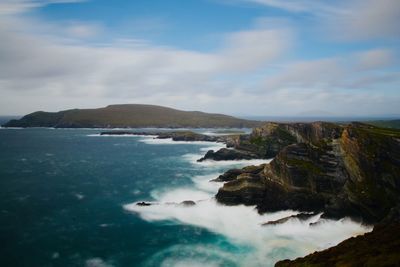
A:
(228, 176)
(301, 216)
(233, 173)
(379, 248)
(143, 203)
(228, 154)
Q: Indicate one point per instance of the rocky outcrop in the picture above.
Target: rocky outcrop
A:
(268, 140)
(340, 171)
(377, 248)
(302, 216)
(228, 154)
(233, 173)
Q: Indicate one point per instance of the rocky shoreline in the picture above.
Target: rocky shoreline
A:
(338, 170)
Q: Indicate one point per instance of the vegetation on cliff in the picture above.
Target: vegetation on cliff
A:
(351, 170)
(379, 248)
(342, 171)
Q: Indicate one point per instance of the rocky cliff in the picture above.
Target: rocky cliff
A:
(268, 140)
(351, 170)
(341, 171)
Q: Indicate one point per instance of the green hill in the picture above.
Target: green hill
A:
(129, 115)
(395, 124)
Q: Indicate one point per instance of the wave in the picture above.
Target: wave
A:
(192, 158)
(97, 262)
(150, 140)
(242, 225)
(121, 135)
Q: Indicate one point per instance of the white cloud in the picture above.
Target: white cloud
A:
(57, 67)
(366, 19)
(10, 7)
(360, 70)
(47, 67)
(351, 20)
(307, 6)
(375, 59)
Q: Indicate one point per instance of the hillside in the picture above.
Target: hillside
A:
(129, 115)
(395, 124)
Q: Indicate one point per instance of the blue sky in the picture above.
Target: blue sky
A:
(242, 57)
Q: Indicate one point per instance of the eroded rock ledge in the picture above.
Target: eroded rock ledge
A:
(342, 171)
(351, 170)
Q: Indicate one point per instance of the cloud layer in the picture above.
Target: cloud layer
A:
(250, 73)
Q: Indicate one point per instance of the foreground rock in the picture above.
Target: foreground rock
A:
(379, 248)
(341, 171)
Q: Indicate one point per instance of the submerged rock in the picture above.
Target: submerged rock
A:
(301, 216)
(187, 203)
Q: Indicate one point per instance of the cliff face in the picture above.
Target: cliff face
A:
(341, 171)
(371, 156)
(268, 140)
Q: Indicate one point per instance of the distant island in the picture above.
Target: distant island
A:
(130, 116)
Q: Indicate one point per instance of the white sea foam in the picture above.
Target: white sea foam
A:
(97, 262)
(215, 147)
(151, 140)
(192, 158)
(121, 135)
(242, 225)
(203, 183)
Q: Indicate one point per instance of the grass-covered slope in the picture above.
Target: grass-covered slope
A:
(395, 124)
(130, 115)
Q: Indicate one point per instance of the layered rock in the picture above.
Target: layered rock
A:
(341, 171)
(228, 154)
(268, 140)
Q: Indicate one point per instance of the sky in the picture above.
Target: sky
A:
(238, 57)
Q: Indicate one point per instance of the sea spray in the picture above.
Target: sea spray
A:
(258, 244)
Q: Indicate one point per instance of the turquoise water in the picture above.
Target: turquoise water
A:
(67, 198)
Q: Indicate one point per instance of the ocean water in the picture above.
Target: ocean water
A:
(68, 198)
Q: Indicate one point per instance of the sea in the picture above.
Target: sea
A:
(68, 197)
